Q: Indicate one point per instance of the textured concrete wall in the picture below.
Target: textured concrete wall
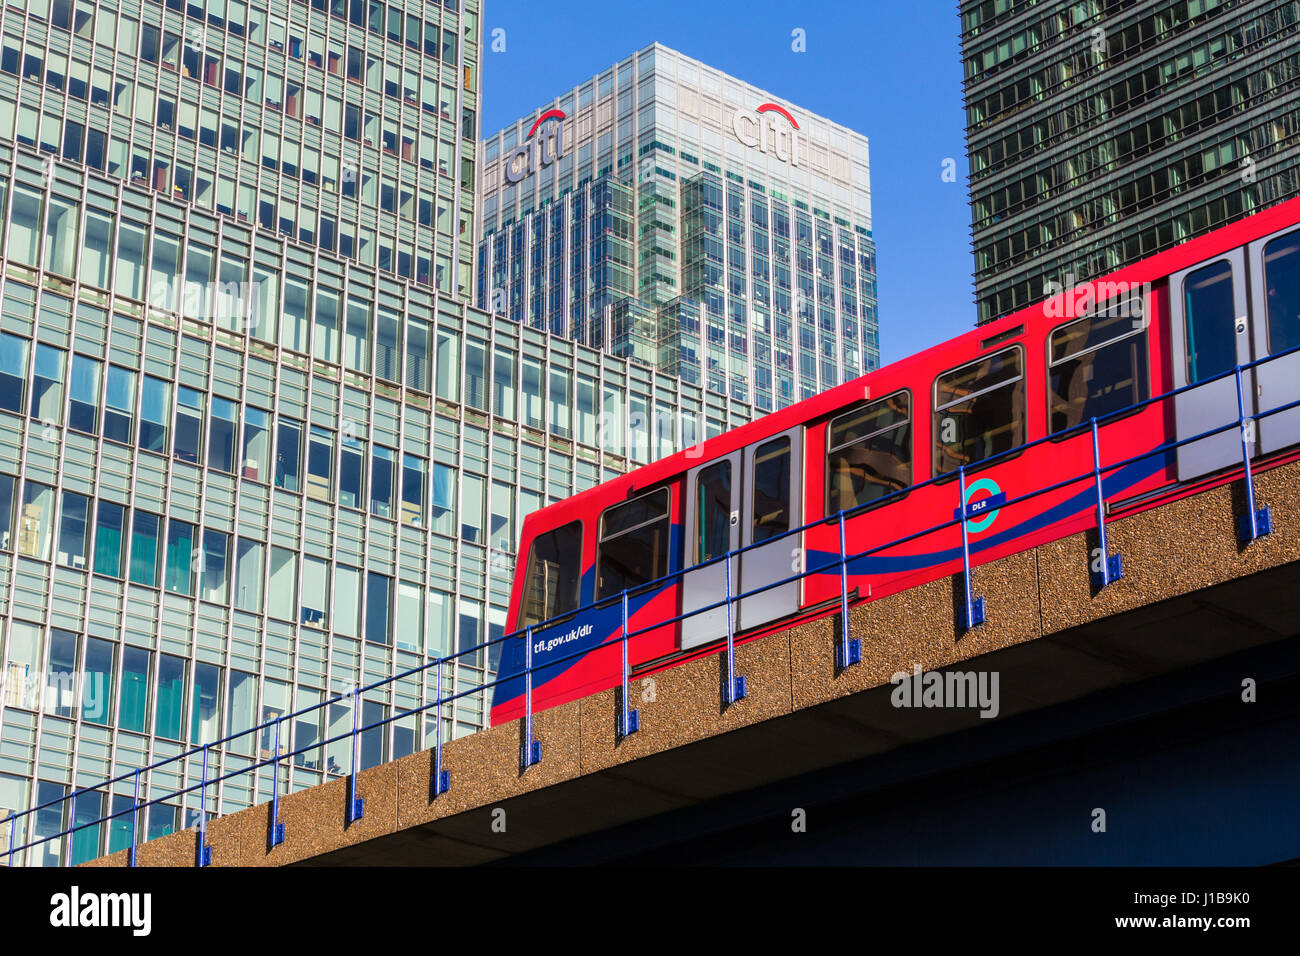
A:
(810, 714)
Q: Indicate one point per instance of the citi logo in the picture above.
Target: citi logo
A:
(762, 130)
(537, 153)
(75, 909)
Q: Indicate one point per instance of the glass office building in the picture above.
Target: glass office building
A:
(256, 448)
(1102, 132)
(668, 212)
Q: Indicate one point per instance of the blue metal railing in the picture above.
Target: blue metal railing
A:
(848, 650)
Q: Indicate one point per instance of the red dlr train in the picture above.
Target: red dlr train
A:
(1184, 316)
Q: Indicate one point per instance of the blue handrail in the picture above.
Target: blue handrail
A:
(1254, 524)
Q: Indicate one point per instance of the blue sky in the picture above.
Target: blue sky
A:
(889, 70)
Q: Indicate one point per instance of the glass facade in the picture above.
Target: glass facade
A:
(676, 222)
(243, 470)
(1100, 133)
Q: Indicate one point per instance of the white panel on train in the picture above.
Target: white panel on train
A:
(712, 530)
(771, 505)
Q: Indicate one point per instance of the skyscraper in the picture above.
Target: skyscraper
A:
(256, 449)
(1101, 132)
(666, 211)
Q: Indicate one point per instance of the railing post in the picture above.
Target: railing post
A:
(850, 649)
(531, 749)
(1108, 567)
(735, 685)
(135, 816)
(441, 778)
(630, 719)
(204, 851)
(1254, 523)
(973, 607)
(277, 828)
(72, 822)
(356, 805)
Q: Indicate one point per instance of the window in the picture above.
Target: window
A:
(1097, 365)
(554, 573)
(352, 472)
(155, 399)
(170, 705)
(501, 531)
(347, 601)
(47, 385)
(633, 543)
(35, 521)
(379, 588)
(144, 548)
(242, 709)
(382, 466)
(869, 453)
(320, 464)
(714, 512)
(413, 490)
(83, 402)
(315, 592)
(282, 587)
(257, 425)
(1208, 310)
(61, 674)
(180, 574)
(288, 454)
(356, 337)
(133, 703)
(119, 413)
(13, 372)
(216, 562)
(6, 510)
(979, 410)
(205, 718)
(221, 440)
(97, 691)
(444, 498)
(771, 490)
(72, 530)
(1282, 292)
(189, 424)
(109, 539)
(248, 576)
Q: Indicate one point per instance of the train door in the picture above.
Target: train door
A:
(712, 529)
(771, 505)
(1210, 329)
(1275, 310)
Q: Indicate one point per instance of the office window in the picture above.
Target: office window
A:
(170, 707)
(221, 440)
(443, 505)
(471, 508)
(979, 410)
(288, 454)
(326, 344)
(97, 690)
(25, 225)
(870, 453)
(119, 412)
(216, 563)
(61, 674)
(320, 464)
(501, 533)
(96, 255)
(110, 522)
(559, 403)
(413, 490)
(13, 372)
(378, 615)
(347, 600)
(83, 400)
(144, 548)
(382, 480)
(205, 721)
(257, 431)
(447, 374)
(282, 588)
(275, 704)
(352, 471)
(179, 575)
(410, 616)
(35, 521)
(356, 337)
(133, 702)
(307, 728)
(61, 227)
(129, 275)
(241, 706)
(188, 445)
(388, 345)
(47, 385)
(155, 399)
(314, 598)
(293, 327)
(6, 511)
(503, 385)
(476, 375)
(531, 388)
(72, 530)
(248, 575)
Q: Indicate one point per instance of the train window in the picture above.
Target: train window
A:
(554, 570)
(1208, 307)
(633, 544)
(1282, 289)
(1097, 365)
(714, 512)
(771, 490)
(979, 410)
(869, 453)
